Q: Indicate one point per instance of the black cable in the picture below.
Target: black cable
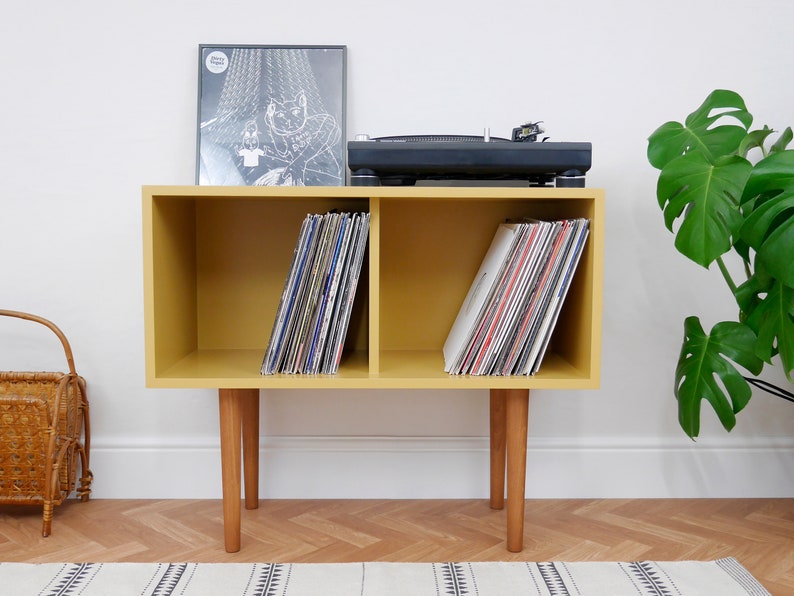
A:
(771, 389)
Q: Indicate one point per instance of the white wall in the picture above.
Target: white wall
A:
(99, 98)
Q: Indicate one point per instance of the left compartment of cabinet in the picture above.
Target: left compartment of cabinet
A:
(215, 263)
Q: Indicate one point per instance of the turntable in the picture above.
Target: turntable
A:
(404, 160)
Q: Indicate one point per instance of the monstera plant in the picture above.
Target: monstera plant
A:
(726, 190)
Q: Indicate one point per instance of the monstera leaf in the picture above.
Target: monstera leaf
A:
(702, 174)
(704, 130)
(706, 358)
(783, 141)
(755, 139)
(707, 195)
(773, 322)
(769, 228)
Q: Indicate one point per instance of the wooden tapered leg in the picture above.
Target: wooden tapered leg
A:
(517, 414)
(498, 434)
(249, 401)
(46, 525)
(230, 425)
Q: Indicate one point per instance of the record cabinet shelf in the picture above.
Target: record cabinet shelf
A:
(215, 263)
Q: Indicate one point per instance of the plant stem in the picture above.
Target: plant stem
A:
(726, 275)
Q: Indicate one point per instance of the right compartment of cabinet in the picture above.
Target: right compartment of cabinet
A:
(429, 247)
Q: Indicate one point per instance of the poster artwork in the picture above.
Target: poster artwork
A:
(271, 116)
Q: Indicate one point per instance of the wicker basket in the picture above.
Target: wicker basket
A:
(43, 417)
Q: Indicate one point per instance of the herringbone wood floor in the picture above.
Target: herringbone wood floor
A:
(758, 532)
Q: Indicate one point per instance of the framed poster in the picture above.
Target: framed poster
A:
(271, 115)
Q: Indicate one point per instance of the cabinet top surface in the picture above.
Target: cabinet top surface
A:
(372, 191)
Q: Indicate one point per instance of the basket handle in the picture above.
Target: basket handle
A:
(49, 324)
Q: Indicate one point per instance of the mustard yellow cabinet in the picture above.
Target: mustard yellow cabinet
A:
(215, 263)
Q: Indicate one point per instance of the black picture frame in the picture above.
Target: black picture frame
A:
(271, 115)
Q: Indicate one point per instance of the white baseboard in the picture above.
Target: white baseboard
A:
(433, 467)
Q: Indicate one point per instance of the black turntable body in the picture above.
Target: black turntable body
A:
(404, 160)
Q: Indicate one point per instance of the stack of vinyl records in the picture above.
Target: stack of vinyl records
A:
(314, 312)
(506, 321)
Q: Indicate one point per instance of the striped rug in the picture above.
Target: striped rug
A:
(723, 577)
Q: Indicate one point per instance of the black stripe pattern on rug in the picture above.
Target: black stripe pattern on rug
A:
(649, 579)
(269, 579)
